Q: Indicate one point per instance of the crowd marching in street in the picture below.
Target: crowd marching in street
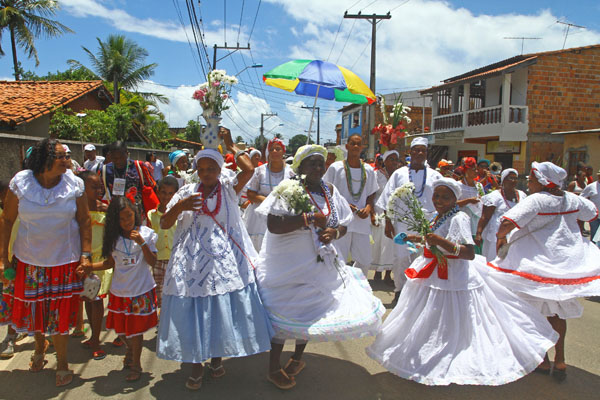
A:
(227, 256)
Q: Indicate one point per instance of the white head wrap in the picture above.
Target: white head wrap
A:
(506, 172)
(212, 154)
(307, 151)
(419, 141)
(548, 174)
(450, 184)
(389, 153)
(255, 152)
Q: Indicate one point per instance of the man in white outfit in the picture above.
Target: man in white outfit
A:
(357, 183)
(419, 173)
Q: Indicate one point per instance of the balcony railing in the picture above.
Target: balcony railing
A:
(485, 116)
(517, 114)
(448, 122)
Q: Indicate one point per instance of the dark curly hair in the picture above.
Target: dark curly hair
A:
(42, 156)
(112, 225)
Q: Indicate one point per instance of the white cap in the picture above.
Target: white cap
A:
(67, 149)
(89, 147)
(419, 141)
(450, 184)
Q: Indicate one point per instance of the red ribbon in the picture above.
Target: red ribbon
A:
(428, 270)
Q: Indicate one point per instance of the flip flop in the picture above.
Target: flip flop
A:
(194, 383)
(99, 355)
(279, 385)
(118, 342)
(559, 375)
(215, 372)
(543, 371)
(299, 364)
(134, 375)
(64, 377)
(77, 333)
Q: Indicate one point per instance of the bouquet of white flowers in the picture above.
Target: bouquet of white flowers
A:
(293, 193)
(214, 93)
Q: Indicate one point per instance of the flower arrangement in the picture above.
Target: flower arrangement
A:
(214, 93)
(293, 193)
(391, 131)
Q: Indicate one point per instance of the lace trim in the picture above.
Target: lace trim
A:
(25, 185)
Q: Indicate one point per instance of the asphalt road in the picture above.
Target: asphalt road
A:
(337, 370)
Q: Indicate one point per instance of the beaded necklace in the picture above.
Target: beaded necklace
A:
(332, 221)
(418, 193)
(439, 221)
(363, 180)
(216, 190)
(506, 201)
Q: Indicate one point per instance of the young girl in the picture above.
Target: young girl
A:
(451, 325)
(167, 187)
(95, 308)
(130, 250)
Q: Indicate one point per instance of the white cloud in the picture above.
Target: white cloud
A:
(167, 30)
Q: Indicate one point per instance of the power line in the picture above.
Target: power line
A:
(225, 21)
(254, 22)
(373, 2)
(335, 39)
(187, 38)
(240, 24)
(400, 5)
(346, 42)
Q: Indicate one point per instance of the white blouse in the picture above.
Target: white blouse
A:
(132, 276)
(48, 235)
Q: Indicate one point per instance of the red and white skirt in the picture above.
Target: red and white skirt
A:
(42, 299)
(132, 316)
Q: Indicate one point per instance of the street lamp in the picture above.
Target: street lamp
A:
(273, 128)
(251, 66)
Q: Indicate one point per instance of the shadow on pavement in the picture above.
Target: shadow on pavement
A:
(20, 384)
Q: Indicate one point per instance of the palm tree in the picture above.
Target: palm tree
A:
(121, 61)
(27, 20)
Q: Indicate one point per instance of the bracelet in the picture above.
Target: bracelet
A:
(456, 249)
(305, 219)
(337, 233)
(239, 153)
(310, 217)
(86, 254)
(143, 244)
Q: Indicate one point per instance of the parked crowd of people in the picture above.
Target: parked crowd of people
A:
(229, 256)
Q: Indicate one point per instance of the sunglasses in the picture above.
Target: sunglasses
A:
(63, 157)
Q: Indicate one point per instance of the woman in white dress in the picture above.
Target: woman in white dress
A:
(470, 197)
(308, 291)
(210, 304)
(547, 261)
(383, 247)
(450, 324)
(495, 204)
(265, 178)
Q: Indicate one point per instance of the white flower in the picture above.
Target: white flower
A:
(407, 119)
(204, 85)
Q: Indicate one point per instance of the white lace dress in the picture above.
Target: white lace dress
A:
(462, 329)
(384, 251)
(310, 299)
(210, 303)
(548, 261)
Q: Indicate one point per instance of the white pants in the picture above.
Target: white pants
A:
(359, 246)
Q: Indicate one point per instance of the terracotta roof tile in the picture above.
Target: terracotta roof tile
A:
(22, 101)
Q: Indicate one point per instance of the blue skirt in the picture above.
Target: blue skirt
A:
(194, 329)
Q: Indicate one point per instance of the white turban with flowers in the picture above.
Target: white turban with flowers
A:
(306, 151)
(450, 184)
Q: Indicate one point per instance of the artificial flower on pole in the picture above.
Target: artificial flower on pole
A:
(391, 131)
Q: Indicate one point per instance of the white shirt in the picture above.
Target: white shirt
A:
(336, 175)
(92, 165)
(592, 192)
(48, 235)
(402, 176)
(132, 276)
(158, 168)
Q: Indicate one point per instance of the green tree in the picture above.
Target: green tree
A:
(27, 20)
(193, 131)
(239, 139)
(120, 61)
(296, 142)
(70, 74)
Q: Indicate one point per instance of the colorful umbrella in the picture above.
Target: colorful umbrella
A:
(321, 79)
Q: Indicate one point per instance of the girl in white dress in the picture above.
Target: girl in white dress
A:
(452, 326)
(383, 247)
(264, 180)
(308, 291)
(548, 262)
(495, 204)
(471, 192)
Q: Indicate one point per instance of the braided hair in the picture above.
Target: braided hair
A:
(42, 156)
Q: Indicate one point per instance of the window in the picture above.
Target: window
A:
(356, 119)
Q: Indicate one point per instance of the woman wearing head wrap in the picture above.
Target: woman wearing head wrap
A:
(255, 156)
(449, 320)
(264, 180)
(471, 193)
(495, 205)
(179, 165)
(383, 247)
(308, 291)
(547, 260)
(210, 303)
(422, 177)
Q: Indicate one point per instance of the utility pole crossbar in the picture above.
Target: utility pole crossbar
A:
(216, 47)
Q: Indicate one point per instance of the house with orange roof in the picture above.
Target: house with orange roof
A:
(522, 109)
(26, 107)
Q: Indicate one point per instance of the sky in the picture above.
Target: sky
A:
(425, 42)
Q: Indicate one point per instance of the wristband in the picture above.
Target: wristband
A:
(239, 153)
(86, 254)
(456, 249)
(305, 219)
(337, 233)
(143, 244)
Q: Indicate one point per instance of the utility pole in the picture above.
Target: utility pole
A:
(236, 48)
(569, 25)
(262, 121)
(318, 121)
(373, 19)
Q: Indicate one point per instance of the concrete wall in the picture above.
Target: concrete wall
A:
(14, 147)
